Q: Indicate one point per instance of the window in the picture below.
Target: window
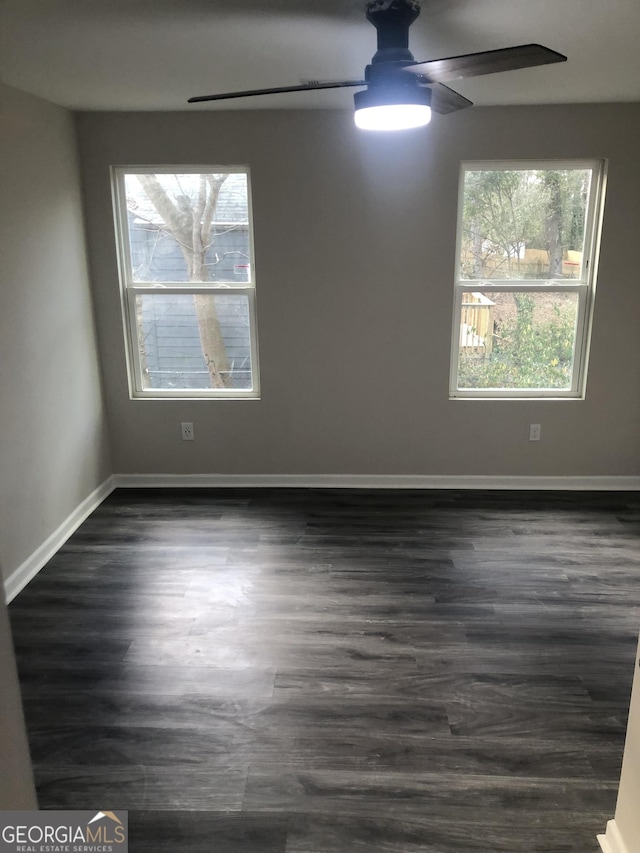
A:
(527, 237)
(187, 282)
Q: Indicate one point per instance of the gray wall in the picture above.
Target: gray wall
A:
(53, 446)
(354, 246)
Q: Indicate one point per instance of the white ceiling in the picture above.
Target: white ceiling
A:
(154, 54)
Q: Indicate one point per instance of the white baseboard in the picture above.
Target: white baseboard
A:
(612, 841)
(32, 565)
(376, 481)
(18, 579)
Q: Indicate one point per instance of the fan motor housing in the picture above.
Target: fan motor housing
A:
(390, 73)
(392, 19)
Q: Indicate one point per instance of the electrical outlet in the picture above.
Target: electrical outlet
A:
(187, 432)
(534, 432)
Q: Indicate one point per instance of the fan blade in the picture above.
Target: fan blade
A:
(486, 62)
(304, 87)
(445, 100)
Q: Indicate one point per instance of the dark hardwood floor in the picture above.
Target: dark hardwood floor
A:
(328, 671)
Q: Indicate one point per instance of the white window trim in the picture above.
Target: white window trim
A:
(583, 288)
(130, 289)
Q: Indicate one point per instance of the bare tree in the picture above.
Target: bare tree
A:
(189, 220)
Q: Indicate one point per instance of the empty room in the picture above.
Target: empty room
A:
(319, 368)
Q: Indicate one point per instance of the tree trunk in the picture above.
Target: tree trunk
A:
(211, 340)
(213, 348)
(554, 233)
(554, 247)
(476, 249)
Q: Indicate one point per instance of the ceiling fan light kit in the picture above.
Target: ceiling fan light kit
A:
(401, 93)
(392, 107)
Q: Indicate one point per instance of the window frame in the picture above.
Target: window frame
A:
(130, 290)
(584, 287)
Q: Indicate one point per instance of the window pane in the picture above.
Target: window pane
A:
(188, 227)
(517, 340)
(524, 223)
(194, 341)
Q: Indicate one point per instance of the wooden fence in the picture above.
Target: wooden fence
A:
(476, 324)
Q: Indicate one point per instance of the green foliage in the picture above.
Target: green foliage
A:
(526, 354)
(508, 211)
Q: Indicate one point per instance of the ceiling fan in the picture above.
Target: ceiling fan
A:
(401, 92)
